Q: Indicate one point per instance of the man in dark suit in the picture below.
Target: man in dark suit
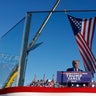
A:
(75, 67)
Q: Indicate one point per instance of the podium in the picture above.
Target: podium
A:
(73, 78)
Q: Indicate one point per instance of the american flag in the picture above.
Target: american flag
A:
(83, 30)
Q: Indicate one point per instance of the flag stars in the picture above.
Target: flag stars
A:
(77, 23)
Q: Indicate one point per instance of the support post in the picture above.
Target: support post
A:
(24, 48)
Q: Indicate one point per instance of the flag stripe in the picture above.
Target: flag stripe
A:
(84, 52)
(89, 32)
(93, 28)
(86, 31)
(84, 28)
(87, 68)
(86, 49)
(86, 57)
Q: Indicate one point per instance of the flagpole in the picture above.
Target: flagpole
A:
(65, 10)
(23, 55)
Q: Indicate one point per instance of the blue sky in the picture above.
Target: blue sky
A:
(59, 47)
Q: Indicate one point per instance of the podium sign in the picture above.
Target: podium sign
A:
(74, 77)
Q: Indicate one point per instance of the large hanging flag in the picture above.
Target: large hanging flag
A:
(83, 30)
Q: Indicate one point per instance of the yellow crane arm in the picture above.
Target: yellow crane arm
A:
(11, 79)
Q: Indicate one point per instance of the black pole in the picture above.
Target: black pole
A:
(62, 11)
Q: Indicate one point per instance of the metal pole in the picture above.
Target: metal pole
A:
(43, 25)
(24, 48)
(65, 10)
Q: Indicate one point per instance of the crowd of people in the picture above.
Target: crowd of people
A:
(44, 82)
(53, 83)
